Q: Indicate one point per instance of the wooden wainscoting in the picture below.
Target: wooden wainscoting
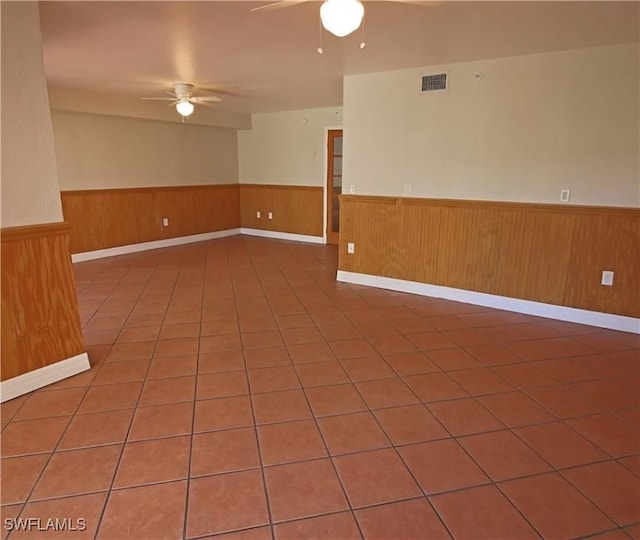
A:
(296, 209)
(546, 253)
(107, 218)
(40, 320)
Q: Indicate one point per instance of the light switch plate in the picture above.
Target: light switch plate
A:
(351, 248)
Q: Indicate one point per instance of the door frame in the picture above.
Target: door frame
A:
(325, 223)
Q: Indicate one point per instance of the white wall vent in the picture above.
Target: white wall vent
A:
(434, 83)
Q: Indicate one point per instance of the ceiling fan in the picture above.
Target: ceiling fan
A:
(340, 17)
(184, 100)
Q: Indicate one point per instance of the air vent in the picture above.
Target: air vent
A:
(434, 83)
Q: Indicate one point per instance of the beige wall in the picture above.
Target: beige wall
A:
(531, 126)
(287, 147)
(30, 192)
(97, 151)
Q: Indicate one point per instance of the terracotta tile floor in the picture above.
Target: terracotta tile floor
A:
(237, 389)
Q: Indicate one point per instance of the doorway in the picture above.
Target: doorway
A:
(334, 184)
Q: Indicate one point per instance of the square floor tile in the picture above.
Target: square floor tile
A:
(367, 368)
(118, 372)
(215, 385)
(559, 445)
(280, 406)
(493, 355)
(221, 361)
(464, 417)
(431, 341)
(411, 363)
(340, 526)
(442, 466)
(157, 460)
(516, 409)
(161, 421)
(524, 375)
(307, 334)
(222, 413)
(304, 489)
(75, 472)
(614, 489)
(435, 387)
(392, 344)
(173, 390)
(225, 342)
(310, 352)
(337, 399)
(481, 513)
(51, 403)
(177, 366)
(273, 379)
(502, 455)
(18, 476)
(93, 429)
(131, 351)
(224, 451)
(86, 507)
(375, 477)
(352, 433)
(410, 424)
(562, 401)
(413, 519)
(565, 370)
(608, 433)
(480, 381)
(555, 508)
(321, 374)
(267, 357)
(110, 396)
(32, 436)
(453, 359)
(290, 441)
(386, 393)
(351, 348)
(129, 514)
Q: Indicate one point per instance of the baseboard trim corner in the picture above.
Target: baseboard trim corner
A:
(28, 382)
(155, 244)
(293, 237)
(529, 307)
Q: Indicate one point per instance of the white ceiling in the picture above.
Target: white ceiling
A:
(267, 61)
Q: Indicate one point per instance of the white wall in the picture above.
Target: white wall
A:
(29, 191)
(531, 126)
(287, 147)
(97, 151)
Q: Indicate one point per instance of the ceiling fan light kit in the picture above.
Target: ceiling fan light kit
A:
(184, 107)
(341, 17)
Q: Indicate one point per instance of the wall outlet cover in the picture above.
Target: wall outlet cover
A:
(607, 278)
(270, 216)
(564, 195)
(351, 248)
(352, 188)
(165, 222)
(258, 214)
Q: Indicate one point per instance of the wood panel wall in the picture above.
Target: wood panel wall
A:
(296, 209)
(40, 320)
(547, 253)
(107, 218)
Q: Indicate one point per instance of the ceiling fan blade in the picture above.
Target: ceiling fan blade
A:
(279, 5)
(205, 99)
(158, 98)
(174, 102)
(425, 3)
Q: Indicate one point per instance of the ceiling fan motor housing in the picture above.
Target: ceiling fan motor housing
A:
(183, 90)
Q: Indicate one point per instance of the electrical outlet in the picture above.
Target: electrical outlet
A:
(258, 214)
(351, 248)
(607, 278)
(564, 195)
(352, 188)
(407, 190)
(165, 221)
(270, 216)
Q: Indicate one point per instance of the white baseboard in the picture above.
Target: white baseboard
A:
(144, 246)
(283, 236)
(28, 382)
(529, 307)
